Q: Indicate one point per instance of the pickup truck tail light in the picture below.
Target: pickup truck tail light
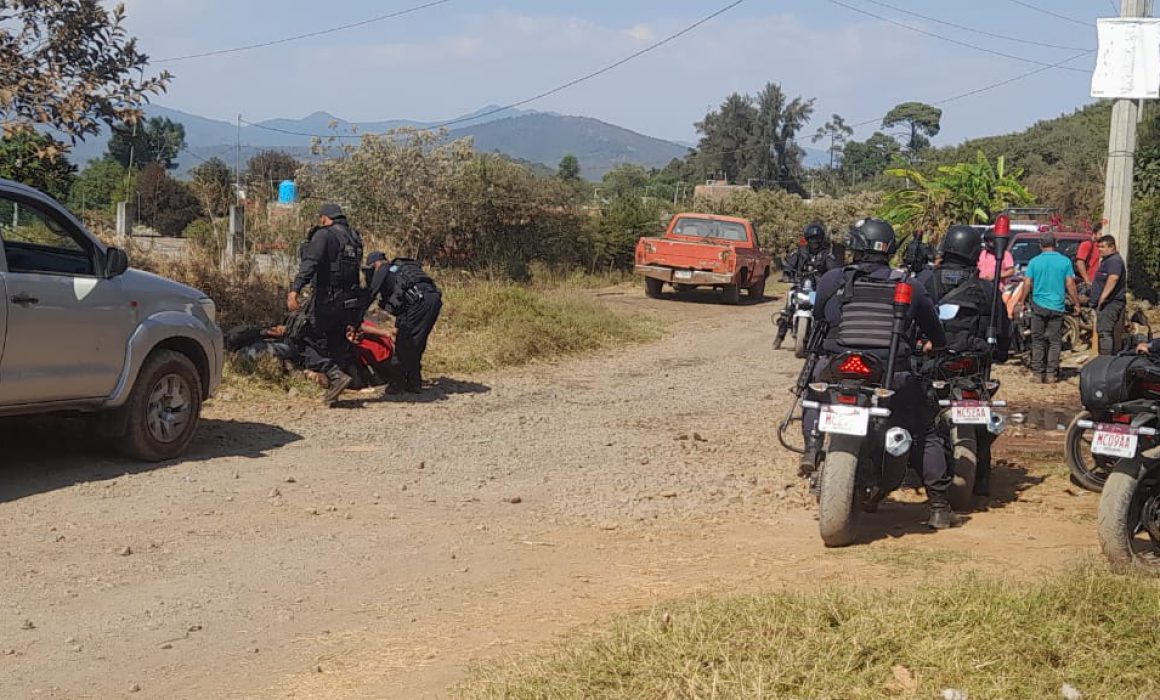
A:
(725, 255)
(650, 248)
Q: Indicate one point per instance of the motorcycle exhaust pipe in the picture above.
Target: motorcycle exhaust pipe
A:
(898, 441)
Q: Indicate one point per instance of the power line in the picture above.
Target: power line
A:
(560, 88)
(946, 38)
(1051, 13)
(983, 32)
(308, 35)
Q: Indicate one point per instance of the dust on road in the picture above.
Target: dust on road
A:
(375, 550)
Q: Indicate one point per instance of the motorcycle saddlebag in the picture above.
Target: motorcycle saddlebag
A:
(1107, 380)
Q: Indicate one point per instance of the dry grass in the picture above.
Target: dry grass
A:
(487, 325)
(1093, 630)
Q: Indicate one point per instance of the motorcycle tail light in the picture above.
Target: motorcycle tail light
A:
(1121, 417)
(848, 399)
(970, 394)
(854, 366)
(960, 364)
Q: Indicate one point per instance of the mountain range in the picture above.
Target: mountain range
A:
(537, 137)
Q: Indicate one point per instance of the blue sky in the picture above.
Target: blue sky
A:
(454, 58)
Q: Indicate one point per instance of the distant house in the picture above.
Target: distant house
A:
(719, 189)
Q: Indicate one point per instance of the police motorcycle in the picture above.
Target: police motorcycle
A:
(968, 415)
(798, 313)
(1089, 461)
(866, 455)
(1122, 394)
(960, 382)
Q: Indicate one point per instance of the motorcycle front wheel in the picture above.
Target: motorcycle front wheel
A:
(801, 336)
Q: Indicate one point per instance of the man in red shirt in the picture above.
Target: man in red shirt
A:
(1087, 258)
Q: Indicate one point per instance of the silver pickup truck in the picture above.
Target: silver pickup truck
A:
(81, 331)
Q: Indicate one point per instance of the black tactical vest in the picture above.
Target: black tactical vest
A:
(867, 311)
(408, 276)
(963, 288)
(344, 279)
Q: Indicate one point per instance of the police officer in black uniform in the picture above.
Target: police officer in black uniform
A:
(872, 242)
(956, 281)
(331, 260)
(814, 258)
(403, 288)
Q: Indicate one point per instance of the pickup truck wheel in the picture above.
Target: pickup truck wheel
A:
(731, 294)
(653, 288)
(757, 291)
(164, 408)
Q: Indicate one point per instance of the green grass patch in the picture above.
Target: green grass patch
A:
(486, 325)
(993, 639)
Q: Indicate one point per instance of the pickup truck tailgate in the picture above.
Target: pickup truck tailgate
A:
(690, 255)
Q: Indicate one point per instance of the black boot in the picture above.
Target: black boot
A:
(338, 382)
(809, 461)
(942, 517)
(414, 383)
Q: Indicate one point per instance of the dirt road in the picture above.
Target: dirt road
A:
(376, 550)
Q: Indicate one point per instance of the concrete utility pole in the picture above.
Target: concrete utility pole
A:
(1122, 156)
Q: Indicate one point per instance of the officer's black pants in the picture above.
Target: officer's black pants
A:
(415, 326)
(911, 411)
(1106, 320)
(327, 347)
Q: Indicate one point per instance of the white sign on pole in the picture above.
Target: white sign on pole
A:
(1128, 63)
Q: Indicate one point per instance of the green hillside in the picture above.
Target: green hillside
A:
(1064, 158)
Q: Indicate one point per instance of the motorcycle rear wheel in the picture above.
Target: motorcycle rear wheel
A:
(1087, 470)
(1123, 540)
(965, 450)
(837, 488)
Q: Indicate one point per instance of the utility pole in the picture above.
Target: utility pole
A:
(1121, 156)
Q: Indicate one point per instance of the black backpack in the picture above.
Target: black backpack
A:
(408, 275)
(345, 279)
(867, 311)
(1107, 380)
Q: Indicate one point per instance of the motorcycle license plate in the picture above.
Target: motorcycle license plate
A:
(1114, 441)
(970, 413)
(844, 420)
(683, 275)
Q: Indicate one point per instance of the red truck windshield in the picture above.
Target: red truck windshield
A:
(708, 228)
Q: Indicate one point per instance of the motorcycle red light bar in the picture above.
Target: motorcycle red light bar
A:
(903, 293)
(1121, 417)
(1002, 226)
(854, 366)
(849, 400)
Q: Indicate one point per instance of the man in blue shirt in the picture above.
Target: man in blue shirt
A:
(1050, 284)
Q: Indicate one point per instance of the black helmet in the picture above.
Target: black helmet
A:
(963, 244)
(872, 236)
(814, 231)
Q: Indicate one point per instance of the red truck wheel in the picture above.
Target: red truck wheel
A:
(731, 294)
(653, 288)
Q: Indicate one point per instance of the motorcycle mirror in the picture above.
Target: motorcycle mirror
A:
(946, 312)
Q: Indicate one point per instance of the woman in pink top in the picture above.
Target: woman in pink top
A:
(987, 265)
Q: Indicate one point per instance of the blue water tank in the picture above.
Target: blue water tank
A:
(287, 192)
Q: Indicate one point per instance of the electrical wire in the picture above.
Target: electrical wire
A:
(560, 88)
(307, 35)
(1050, 13)
(945, 38)
(973, 30)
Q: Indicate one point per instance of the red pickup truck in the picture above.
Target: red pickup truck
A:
(702, 250)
